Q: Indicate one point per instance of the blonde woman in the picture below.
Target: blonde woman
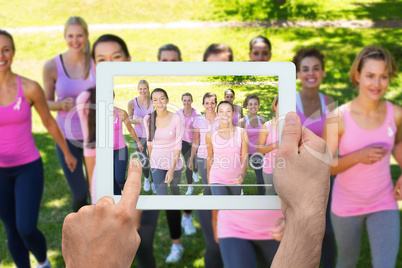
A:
(64, 77)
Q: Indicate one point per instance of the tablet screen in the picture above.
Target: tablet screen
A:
(266, 80)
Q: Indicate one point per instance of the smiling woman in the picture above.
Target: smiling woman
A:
(21, 168)
(67, 75)
(369, 130)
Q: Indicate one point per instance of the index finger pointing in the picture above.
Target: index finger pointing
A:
(132, 187)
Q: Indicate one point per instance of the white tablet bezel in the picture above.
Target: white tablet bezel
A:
(105, 73)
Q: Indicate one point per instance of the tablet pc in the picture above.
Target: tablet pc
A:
(198, 76)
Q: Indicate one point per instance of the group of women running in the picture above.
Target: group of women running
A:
(220, 145)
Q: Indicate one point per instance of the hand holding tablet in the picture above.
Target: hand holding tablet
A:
(105, 235)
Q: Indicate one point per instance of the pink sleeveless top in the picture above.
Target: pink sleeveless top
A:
(118, 137)
(17, 146)
(236, 116)
(166, 141)
(247, 224)
(69, 122)
(188, 135)
(365, 188)
(227, 158)
(83, 110)
(204, 127)
(141, 113)
(315, 125)
(269, 158)
(252, 135)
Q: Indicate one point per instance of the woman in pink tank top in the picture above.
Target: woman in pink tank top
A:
(106, 48)
(227, 148)
(238, 111)
(138, 108)
(267, 144)
(246, 238)
(252, 124)
(188, 115)
(21, 168)
(368, 130)
(312, 107)
(64, 78)
(120, 151)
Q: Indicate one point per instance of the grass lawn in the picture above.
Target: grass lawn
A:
(339, 45)
(47, 12)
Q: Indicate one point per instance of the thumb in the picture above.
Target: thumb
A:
(291, 134)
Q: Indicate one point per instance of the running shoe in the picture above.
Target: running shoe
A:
(190, 190)
(195, 177)
(176, 252)
(147, 184)
(45, 265)
(188, 225)
(153, 187)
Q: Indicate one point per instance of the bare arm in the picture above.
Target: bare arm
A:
(242, 123)
(130, 109)
(210, 149)
(35, 97)
(215, 224)
(49, 85)
(244, 153)
(240, 111)
(397, 151)
(262, 148)
(124, 118)
(194, 147)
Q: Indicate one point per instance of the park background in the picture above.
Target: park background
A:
(338, 28)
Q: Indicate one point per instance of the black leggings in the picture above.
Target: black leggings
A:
(145, 253)
(328, 251)
(21, 189)
(186, 151)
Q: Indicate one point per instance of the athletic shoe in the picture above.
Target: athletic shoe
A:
(45, 265)
(241, 192)
(195, 177)
(176, 252)
(153, 187)
(147, 185)
(187, 224)
(190, 190)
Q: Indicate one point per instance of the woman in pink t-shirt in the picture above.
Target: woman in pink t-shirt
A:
(368, 130)
(164, 132)
(21, 167)
(238, 111)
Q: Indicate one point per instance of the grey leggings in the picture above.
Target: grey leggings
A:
(383, 231)
(269, 179)
(159, 179)
(241, 253)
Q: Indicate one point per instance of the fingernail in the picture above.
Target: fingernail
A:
(291, 118)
